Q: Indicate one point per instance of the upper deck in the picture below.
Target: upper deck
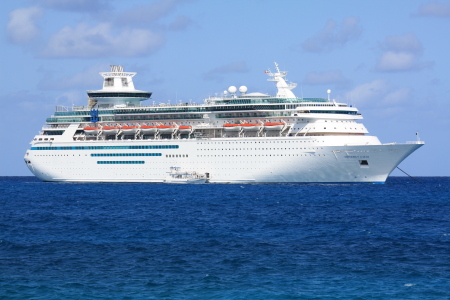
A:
(113, 103)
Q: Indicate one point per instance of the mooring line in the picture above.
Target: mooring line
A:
(409, 175)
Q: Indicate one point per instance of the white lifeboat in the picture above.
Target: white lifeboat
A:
(251, 126)
(92, 130)
(185, 129)
(110, 129)
(129, 129)
(167, 128)
(232, 127)
(149, 129)
(273, 126)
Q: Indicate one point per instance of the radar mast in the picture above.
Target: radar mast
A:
(284, 88)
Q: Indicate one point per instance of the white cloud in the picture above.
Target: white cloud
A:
(396, 61)
(435, 9)
(325, 78)
(22, 27)
(333, 35)
(87, 79)
(380, 94)
(146, 14)
(101, 41)
(75, 5)
(401, 53)
(407, 43)
(217, 73)
(370, 92)
(398, 96)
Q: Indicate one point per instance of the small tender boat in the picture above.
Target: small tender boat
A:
(177, 176)
(129, 129)
(167, 128)
(251, 126)
(273, 126)
(232, 127)
(92, 130)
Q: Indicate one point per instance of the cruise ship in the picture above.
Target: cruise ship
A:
(237, 137)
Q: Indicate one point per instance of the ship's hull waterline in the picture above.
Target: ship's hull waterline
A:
(225, 161)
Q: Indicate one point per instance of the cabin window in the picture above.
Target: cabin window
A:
(124, 82)
(109, 81)
(364, 163)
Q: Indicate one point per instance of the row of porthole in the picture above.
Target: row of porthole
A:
(125, 154)
(268, 142)
(249, 155)
(263, 149)
(120, 162)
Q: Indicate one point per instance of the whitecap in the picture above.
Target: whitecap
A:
(410, 284)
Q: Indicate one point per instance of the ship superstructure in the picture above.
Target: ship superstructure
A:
(237, 137)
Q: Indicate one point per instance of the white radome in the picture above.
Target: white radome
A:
(232, 89)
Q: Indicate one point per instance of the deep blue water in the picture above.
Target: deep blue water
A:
(225, 241)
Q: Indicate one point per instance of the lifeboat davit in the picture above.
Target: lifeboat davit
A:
(273, 126)
(92, 130)
(232, 127)
(110, 129)
(129, 129)
(149, 128)
(167, 128)
(251, 126)
(185, 129)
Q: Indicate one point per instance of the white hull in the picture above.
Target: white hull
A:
(184, 181)
(288, 159)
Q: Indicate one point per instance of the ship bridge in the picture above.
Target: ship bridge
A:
(118, 89)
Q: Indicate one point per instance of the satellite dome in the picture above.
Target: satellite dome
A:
(243, 89)
(232, 89)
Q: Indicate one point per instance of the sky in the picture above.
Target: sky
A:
(390, 59)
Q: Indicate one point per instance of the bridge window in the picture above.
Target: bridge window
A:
(109, 81)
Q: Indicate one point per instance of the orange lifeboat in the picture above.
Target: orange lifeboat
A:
(129, 129)
(251, 126)
(167, 128)
(110, 129)
(92, 130)
(185, 129)
(273, 126)
(149, 128)
(232, 127)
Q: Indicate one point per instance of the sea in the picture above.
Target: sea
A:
(225, 241)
